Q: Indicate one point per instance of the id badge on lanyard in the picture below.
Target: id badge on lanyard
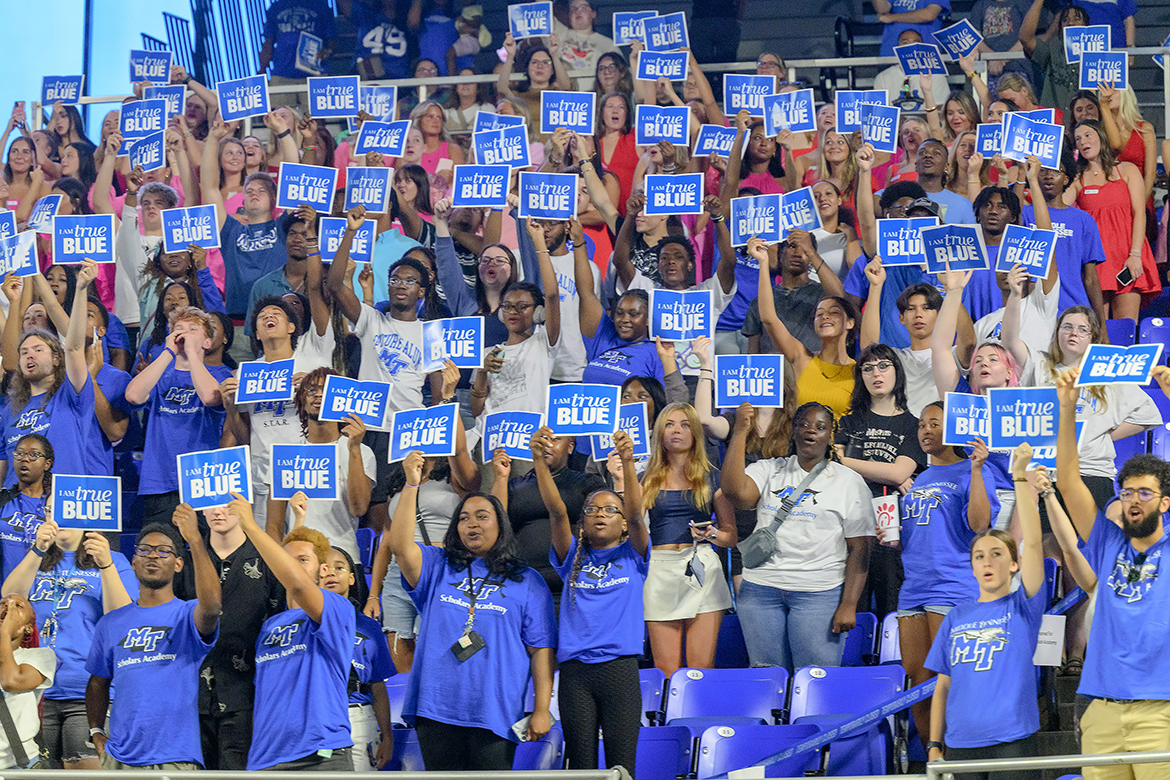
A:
(470, 642)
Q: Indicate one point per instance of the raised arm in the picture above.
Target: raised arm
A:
(76, 368)
(866, 217)
(789, 345)
(207, 587)
(562, 81)
(598, 194)
(208, 168)
(946, 372)
(1028, 27)
(1062, 528)
(1010, 332)
(342, 292)
(871, 317)
(181, 165)
(548, 282)
(967, 64)
(19, 295)
(401, 532)
(714, 111)
(716, 426)
(625, 239)
(1105, 94)
(739, 488)
(504, 83)
(286, 143)
(1082, 508)
(21, 579)
(978, 505)
(588, 304)
(725, 270)
(1032, 550)
(558, 514)
(105, 176)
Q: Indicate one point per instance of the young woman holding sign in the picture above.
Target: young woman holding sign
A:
(544, 70)
(986, 646)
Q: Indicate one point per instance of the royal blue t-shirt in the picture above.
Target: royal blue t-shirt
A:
(68, 603)
(936, 537)
(73, 432)
(487, 690)
(1126, 657)
(153, 655)
(19, 520)
(982, 294)
(891, 32)
(898, 278)
(985, 647)
(302, 668)
(284, 23)
(371, 657)
(249, 252)
(380, 36)
(1113, 13)
(613, 360)
(601, 615)
(179, 423)
(112, 382)
(1078, 243)
(747, 284)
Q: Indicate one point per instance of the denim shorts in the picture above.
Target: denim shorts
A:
(399, 617)
(65, 729)
(937, 609)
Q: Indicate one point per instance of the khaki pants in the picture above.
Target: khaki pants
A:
(1113, 727)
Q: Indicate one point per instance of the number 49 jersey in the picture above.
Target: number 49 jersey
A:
(380, 37)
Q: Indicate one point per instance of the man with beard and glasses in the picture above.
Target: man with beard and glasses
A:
(152, 650)
(1127, 669)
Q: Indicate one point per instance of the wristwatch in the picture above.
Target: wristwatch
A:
(932, 745)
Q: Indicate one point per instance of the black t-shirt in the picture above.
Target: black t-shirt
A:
(869, 436)
(530, 521)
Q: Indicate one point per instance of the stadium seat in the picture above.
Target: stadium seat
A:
(726, 748)
(652, 682)
(1121, 332)
(530, 697)
(732, 696)
(664, 753)
(407, 754)
(1159, 398)
(1160, 441)
(1154, 330)
(1052, 578)
(367, 543)
(1126, 448)
(889, 650)
(859, 641)
(545, 754)
(396, 692)
(731, 650)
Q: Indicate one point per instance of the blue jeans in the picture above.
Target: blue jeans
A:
(789, 628)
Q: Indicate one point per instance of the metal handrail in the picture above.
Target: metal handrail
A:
(936, 769)
(160, 774)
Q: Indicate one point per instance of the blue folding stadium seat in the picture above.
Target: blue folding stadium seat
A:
(1126, 448)
(653, 684)
(1154, 330)
(859, 641)
(553, 705)
(1121, 332)
(726, 748)
(1052, 578)
(366, 541)
(1160, 441)
(407, 754)
(396, 692)
(889, 650)
(731, 650)
(545, 754)
(728, 696)
(664, 753)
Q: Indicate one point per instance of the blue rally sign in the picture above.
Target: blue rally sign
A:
(510, 432)
(755, 379)
(900, 240)
(140, 119)
(849, 102)
(681, 315)
(149, 153)
(389, 138)
(989, 139)
(61, 89)
(662, 123)
(242, 98)
(480, 186)
(174, 94)
(1032, 248)
(309, 468)
(530, 20)
(208, 478)
(489, 120)
(369, 187)
(795, 111)
(798, 211)
(583, 410)
(88, 503)
(306, 184)
(1023, 414)
(1104, 67)
(960, 39)
(430, 431)
(458, 339)
(879, 126)
(746, 91)
(966, 417)
(260, 381)
(18, 254)
(755, 215)
(1023, 136)
(83, 237)
(653, 65)
(7, 224)
(333, 97)
(41, 218)
(666, 33)
(380, 102)
(1104, 364)
(344, 396)
(714, 139)
(150, 66)
(548, 195)
(571, 110)
(919, 59)
(361, 248)
(1040, 115)
(627, 26)
(961, 245)
(309, 47)
(632, 420)
(1045, 456)
(506, 146)
(680, 193)
(189, 225)
(1091, 39)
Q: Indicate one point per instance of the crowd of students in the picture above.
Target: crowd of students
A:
(493, 571)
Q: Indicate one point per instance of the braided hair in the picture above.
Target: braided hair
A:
(582, 544)
(806, 408)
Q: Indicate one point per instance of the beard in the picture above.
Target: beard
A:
(1145, 527)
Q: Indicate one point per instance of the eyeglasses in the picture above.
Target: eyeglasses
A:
(881, 365)
(149, 551)
(338, 568)
(426, 72)
(1080, 330)
(23, 456)
(315, 390)
(591, 510)
(607, 68)
(516, 308)
(540, 62)
(396, 282)
(768, 64)
(494, 261)
(1142, 494)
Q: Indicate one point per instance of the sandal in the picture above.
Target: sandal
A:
(1072, 667)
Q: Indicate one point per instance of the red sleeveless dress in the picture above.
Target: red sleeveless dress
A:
(1110, 208)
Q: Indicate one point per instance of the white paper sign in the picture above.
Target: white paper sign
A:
(1050, 646)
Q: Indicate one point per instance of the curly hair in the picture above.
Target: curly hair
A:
(1146, 466)
(301, 398)
(502, 560)
(311, 535)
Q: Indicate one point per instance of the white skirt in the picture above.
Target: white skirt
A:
(669, 594)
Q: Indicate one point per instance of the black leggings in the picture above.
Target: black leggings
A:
(1026, 747)
(608, 695)
(447, 748)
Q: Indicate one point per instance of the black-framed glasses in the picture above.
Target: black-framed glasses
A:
(150, 551)
(23, 456)
(591, 510)
(881, 365)
(516, 308)
(1142, 494)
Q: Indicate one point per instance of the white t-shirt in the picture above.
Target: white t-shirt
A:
(313, 350)
(831, 247)
(1038, 315)
(810, 543)
(23, 706)
(522, 384)
(920, 387)
(687, 363)
(437, 502)
(569, 355)
(392, 352)
(333, 518)
(892, 78)
(272, 422)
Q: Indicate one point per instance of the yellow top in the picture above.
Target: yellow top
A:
(828, 384)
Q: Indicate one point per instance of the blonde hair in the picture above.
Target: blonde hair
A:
(1129, 116)
(698, 468)
(848, 169)
(1016, 83)
(314, 537)
(956, 183)
(192, 314)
